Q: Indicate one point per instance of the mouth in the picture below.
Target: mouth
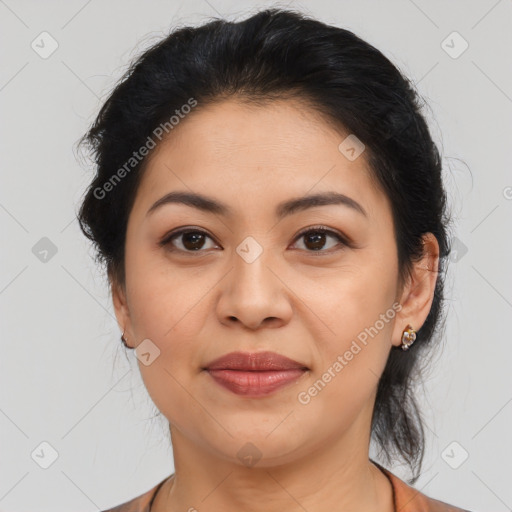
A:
(255, 374)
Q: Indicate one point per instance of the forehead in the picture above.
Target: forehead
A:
(259, 153)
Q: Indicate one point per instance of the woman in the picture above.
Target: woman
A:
(269, 206)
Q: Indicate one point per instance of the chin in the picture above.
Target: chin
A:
(256, 448)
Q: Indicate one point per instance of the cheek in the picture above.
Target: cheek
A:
(355, 306)
(352, 353)
(169, 306)
(162, 297)
(166, 307)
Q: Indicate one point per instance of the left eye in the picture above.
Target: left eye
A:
(315, 238)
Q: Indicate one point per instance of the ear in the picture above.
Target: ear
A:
(121, 309)
(418, 293)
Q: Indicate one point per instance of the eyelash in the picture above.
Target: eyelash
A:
(166, 241)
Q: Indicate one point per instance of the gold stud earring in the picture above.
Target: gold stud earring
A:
(123, 339)
(408, 337)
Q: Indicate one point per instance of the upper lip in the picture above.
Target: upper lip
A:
(258, 361)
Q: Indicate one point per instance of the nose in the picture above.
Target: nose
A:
(254, 295)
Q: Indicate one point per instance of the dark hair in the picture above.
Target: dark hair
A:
(278, 54)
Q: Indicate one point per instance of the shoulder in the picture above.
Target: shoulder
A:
(408, 499)
(140, 503)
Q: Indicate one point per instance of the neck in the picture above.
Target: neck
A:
(325, 481)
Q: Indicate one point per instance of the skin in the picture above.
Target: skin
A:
(197, 306)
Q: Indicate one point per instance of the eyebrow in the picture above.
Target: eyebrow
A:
(283, 209)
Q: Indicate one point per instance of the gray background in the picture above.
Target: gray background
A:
(64, 378)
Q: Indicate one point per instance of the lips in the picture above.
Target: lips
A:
(258, 361)
(254, 374)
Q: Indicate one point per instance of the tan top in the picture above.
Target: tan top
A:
(405, 498)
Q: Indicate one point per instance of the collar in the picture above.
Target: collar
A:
(408, 499)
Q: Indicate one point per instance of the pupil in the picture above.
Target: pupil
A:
(318, 241)
(192, 238)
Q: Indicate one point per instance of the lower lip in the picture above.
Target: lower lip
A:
(255, 383)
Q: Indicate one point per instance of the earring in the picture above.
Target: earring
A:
(124, 341)
(408, 337)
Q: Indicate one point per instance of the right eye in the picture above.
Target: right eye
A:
(188, 240)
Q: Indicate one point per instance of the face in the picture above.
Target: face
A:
(254, 275)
